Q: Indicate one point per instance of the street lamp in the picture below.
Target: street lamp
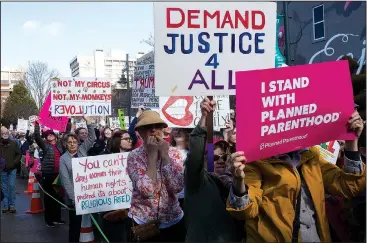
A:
(126, 80)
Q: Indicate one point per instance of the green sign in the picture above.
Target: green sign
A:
(121, 114)
(279, 59)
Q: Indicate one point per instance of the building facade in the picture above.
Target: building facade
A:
(103, 64)
(9, 78)
(323, 31)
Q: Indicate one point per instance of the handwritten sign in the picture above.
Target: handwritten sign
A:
(101, 183)
(81, 97)
(33, 118)
(22, 126)
(143, 92)
(80, 125)
(46, 118)
(121, 115)
(184, 111)
(114, 122)
(200, 45)
(292, 108)
(328, 151)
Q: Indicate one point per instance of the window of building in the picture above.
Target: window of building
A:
(318, 22)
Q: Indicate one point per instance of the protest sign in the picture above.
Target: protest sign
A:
(328, 151)
(46, 118)
(80, 125)
(81, 97)
(101, 183)
(290, 108)
(22, 126)
(200, 45)
(121, 114)
(114, 122)
(27, 158)
(184, 111)
(33, 118)
(36, 168)
(143, 92)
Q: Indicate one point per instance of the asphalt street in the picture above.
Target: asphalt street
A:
(22, 227)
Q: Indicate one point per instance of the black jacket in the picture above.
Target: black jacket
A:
(10, 151)
(48, 156)
(97, 148)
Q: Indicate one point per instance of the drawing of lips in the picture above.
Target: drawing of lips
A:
(346, 5)
(188, 117)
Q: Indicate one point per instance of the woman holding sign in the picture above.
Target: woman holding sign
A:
(115, 224)
(52, 150)
(282, 198)
(74, 150)
(157, 175)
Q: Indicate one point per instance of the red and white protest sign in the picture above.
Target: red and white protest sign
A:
(81, 97)
(290, 108)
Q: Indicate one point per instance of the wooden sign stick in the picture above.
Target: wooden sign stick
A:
(210, 146)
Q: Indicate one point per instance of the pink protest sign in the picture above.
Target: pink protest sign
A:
(36, 168)
(290, 108)
(57, 123)
(27, 157)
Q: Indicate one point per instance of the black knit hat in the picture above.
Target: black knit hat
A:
(49, 132)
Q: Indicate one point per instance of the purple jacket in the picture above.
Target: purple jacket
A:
(2, 164)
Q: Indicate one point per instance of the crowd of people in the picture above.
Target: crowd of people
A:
(289, 197)
(278, 199)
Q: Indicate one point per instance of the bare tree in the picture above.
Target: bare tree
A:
(37, 79)
(149, 41)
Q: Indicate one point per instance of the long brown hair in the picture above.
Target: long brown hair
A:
(186, 131)
(113, 144)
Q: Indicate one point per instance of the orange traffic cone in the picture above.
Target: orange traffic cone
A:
(30, 183)
(36, 202)
(86, 230)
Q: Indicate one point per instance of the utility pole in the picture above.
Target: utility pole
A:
(128, 88)
(286, 32)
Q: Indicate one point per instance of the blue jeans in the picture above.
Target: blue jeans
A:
(8, 187)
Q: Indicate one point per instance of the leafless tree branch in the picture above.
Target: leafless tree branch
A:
(37, 79)
(149, 41)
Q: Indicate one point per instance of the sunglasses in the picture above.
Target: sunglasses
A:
(224, 157)
(153, 126)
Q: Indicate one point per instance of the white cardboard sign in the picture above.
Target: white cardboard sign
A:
(22, 126)
(143, 91)
(101, 183)
(329, 151)
(81, 97)
(200, 45)
(184, 111)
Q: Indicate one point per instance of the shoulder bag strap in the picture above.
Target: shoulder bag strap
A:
(296, 222)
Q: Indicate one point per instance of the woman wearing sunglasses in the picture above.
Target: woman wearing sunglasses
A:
(115, 223)
(205, 192)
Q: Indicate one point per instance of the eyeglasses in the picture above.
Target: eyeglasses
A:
(153, 126)
(224, 157)
(127, 139)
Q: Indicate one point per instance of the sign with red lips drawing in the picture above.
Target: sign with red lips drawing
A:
(184, 111)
